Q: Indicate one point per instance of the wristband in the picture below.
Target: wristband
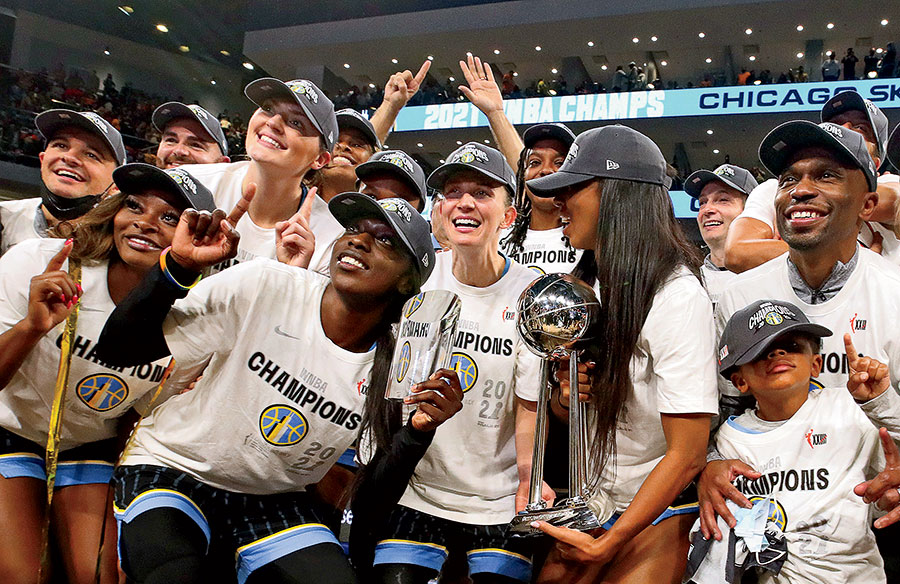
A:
(168, 274)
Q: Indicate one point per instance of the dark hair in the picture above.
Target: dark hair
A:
(512, 243)
(639, 246)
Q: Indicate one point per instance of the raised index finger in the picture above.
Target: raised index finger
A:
(238, 211)
(56, 262)
(891, 454)
(423, 71)
(306, 207)
(852, 355)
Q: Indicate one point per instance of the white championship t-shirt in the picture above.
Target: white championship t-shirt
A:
(225, 180)
(96, 395)
(715, 280)
(17, 218)
(810, 464)
(545, 252)
(278, 403)
(673, 371)
(469, 472)
(760, 205)
(867, 307)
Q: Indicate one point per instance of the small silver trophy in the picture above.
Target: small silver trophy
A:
(424, 340)
(554, 313)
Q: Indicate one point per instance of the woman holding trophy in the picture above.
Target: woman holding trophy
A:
(649, 403)
(466, 488)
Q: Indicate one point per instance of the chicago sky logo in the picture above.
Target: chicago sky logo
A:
(282, 425)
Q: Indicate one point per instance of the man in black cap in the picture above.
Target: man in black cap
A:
(826, 190)
(721, 195)
(81, 153)
(190, 135)
(753, 238)
(393, 173)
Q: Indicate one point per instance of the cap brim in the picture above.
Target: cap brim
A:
(50, 121)
(437, 178)
(265, 88)
(758, 349)
(351, 121)
(547, 186)
(694, 189)
(852, 101)
(350, 207)
(781, 143)
(535, 134)
(137, 177)
(367, 169)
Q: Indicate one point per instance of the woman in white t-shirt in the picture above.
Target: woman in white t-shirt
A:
(653, 389)
(464, 490)
(118, 242)
(222, 477)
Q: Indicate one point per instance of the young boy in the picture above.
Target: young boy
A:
(811, 445)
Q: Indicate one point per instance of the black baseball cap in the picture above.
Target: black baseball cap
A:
(49, 122)
(733, 176)
(549, 131)
(852, 101)
(613, 151)
(413, 230)
(173, 110)
(398, 163)
(137, 177)
(478, 157)
(306, 94)
(893, 148)
(350, 118)
(781, 143)
(751, 330)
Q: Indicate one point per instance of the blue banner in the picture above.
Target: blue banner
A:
(738, 99)
(686, 206)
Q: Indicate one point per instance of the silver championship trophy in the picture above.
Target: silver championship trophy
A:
(424, 340)
(554, 313)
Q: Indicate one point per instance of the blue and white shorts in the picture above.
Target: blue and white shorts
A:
(88, 464)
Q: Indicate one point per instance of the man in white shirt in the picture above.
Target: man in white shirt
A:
(753, 238)
(721, 195)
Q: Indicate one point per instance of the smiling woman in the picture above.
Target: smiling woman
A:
(118, 242)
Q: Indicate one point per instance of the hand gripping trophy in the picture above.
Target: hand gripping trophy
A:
(554, 313)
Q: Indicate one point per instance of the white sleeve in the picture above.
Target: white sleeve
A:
(884, 411)
(760, 204)
(17, 267)
(208, 319)
(528, 373)
(681, 340)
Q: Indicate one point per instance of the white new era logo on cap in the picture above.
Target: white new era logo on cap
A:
(611, 164)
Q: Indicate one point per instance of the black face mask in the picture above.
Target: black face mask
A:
(66, 209)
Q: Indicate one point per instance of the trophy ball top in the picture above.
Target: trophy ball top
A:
(555, 312)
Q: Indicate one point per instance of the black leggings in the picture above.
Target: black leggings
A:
(412, 574)
(164, 546)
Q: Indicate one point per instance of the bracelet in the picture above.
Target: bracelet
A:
(559, 400)
(168, 274)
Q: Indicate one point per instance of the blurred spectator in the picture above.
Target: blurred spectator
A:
(888, 61)
(849, 62)
(744, 75)
(831, 69)
(620, 79)
(870, 64)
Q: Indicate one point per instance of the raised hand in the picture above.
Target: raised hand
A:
(437, 399)
(403, 85)
(482, 90)
(294, 239)
(53, 294)
(869, 378)
(882, 490)
(204, 239)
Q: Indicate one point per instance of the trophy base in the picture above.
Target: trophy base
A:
(573, 514)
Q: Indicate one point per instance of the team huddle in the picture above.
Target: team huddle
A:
(234, 323)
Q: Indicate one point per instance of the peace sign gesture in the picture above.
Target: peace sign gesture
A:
(204, 239)
(882, 490)
(482, 90)
(869, 378)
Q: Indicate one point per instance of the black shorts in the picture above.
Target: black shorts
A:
(423, 540)
(88, 464)
(257, 528)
